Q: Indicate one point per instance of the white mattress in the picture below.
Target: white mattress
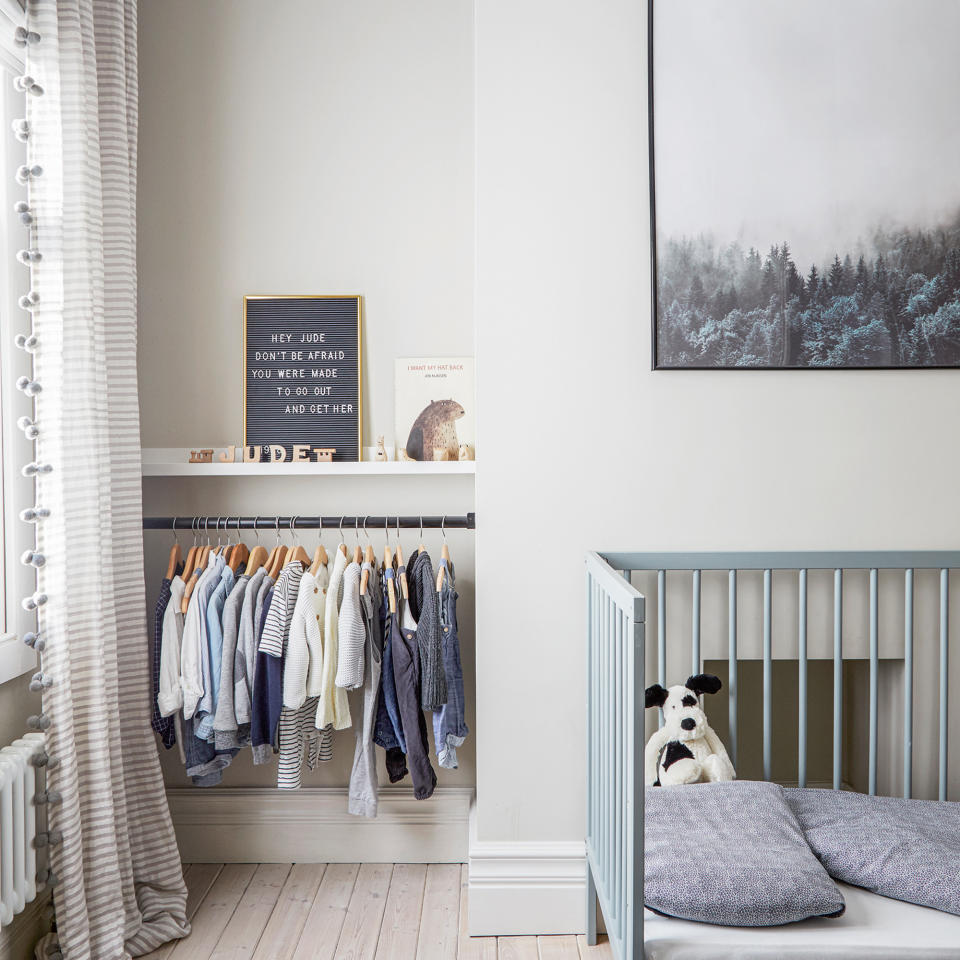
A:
(871, 927)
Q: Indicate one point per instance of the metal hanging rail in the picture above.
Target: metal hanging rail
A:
(448, 521)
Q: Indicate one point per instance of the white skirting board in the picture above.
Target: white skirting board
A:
(311, 825)
(523, 887)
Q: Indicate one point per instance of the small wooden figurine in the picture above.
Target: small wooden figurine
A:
(466, 452)
(201, 456)
(325, 454)
(381, 453)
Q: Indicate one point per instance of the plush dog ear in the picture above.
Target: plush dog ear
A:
(703, 683)
(656, 696)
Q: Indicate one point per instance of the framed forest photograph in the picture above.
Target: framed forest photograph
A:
(805, 183)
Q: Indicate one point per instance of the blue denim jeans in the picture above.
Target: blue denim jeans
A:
(449, 725)
(388, 729)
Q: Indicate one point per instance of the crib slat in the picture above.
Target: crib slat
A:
(732, 666)
(633, 915)
(837, 677)
(767, 676)
(618, 760)
(802, 678)
(661, 634)
(591, 753)
(874, 670)
(908, 683)
(944, 675)
(696, 621)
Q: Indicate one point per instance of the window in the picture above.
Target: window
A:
(16, 580)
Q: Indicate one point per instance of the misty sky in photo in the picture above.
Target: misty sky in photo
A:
(808, 122)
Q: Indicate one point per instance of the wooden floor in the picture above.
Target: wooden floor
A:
(345, 911)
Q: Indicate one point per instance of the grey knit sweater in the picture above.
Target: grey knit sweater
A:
(426, 611)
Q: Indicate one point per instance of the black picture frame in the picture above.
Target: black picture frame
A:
(312, 348)
(656, 361)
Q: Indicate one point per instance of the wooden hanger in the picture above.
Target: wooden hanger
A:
(422, 546)
(176, 554)
(296, 553)
(387, 564)
(320, 559)
(257, 559)
(189, 565)
(368, 557)
(444, 555)
(404, 589)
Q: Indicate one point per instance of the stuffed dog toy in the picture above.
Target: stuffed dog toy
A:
(685, 749)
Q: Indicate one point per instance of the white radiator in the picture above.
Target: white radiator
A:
(18, 825)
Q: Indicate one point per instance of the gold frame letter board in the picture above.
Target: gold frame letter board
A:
(302, 375)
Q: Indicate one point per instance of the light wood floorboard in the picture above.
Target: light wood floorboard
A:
(602, 951)
(345, 911)
(240, 939)
(282, 933)
(558, 948)
(361, 926)
(401, 917)
(321, 932)
(518, 948)
(214, 912)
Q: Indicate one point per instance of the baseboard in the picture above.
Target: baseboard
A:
(526, 887)
(311, 825)
(17, 941)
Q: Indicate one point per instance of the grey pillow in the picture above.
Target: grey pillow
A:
(905, 849)
(733, 854)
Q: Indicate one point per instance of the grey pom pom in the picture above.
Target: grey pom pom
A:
(22, 37)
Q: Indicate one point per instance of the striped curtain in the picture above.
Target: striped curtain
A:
(120, 889)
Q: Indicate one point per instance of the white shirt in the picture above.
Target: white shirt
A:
(334, 707)
(170, 693)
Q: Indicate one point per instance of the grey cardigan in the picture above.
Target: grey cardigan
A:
(426, 611)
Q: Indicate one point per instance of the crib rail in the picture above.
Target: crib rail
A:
(615, 684)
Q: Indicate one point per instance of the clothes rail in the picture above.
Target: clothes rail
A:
(201, 524)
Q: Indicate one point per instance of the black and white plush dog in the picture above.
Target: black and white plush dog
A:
(685, 749)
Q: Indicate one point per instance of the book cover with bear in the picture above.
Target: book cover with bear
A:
(434, 404)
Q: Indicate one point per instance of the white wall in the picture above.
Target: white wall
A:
(302, 147)
(586, 448)
(299, 147)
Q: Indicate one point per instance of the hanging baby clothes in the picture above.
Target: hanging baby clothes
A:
(333, 709)
(388, 729)
(426, 612)
(297, 732)
(449, 725)
(402, 633)
(363, 792)
(195, 636)
(350, 632)
(268, 676)
(207, 708)
(225, 720)
(169, 692)
(244, 664)
(163, 725)
(204, 765)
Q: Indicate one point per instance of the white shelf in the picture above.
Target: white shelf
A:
(159, 462)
